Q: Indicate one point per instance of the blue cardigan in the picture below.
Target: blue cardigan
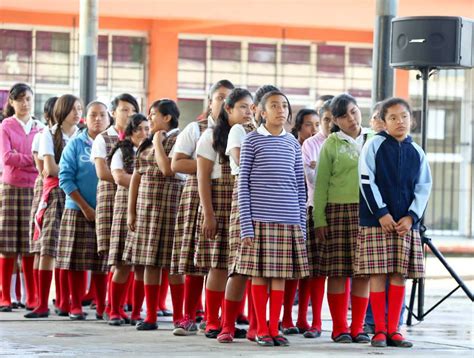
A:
(395, 178)
(77, 172)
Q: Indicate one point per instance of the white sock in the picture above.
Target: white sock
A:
(13, 297)
(23, 288)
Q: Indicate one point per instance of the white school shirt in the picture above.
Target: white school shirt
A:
(36, 143)
(359, 141)
(99, 148)
(235, 139)
(46, 145)
(29, 124)
(117, 159)
(205, 150)
(186, 142)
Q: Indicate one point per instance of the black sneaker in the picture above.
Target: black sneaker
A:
(212, 333)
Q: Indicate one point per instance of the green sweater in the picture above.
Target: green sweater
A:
(337, 180)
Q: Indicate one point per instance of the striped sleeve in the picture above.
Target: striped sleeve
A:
(245, 209)
(422, 187)
(299, 174)
(369, 190)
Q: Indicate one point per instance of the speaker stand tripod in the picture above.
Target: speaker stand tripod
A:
(425, 74)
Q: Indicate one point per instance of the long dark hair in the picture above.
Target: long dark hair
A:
(64, 105)
(126, 145)
(17, 91)
(222, 128)
(165, 107)
(339, 106)
(215, 87)
(48, 111)
(299, 120)
(267, 95)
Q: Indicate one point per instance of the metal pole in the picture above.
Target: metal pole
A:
(382, 81)
(88, 28)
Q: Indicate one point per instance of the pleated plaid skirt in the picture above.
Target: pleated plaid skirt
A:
(335, 255)
(312, 244)
(35, 246)
(119, 231)
(378, 253)
(52, 223)
(184, 245)
(234, 229)
(215, 253)
(104, 212)
(77, 245)
(278, 251)
(15, 214)
(151, 244)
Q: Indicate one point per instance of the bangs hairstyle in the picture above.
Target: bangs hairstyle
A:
(222, 128)
(48, 111)
(299, 120)
(222, 83)
(265, 98)
(63, 106)
(17, 91)
(339, 106)
(126, 145)
(124, 97)
(390, 102)
(165, 107)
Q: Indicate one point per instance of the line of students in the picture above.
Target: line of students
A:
(229, 198)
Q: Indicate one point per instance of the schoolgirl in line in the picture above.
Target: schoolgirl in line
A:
(184, 161)
(272, 214)
(395, 183)
(77, 244)
(17, 132)
(306, 125)
(336, 214)
(67, 113)
(122, 162)
(153, 201)
(215, 184)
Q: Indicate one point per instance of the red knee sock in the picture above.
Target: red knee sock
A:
(6, 268)
(276, 301)
(193, 294)
(359, 309)
(125, 294)
(230, 313)
(177, 299)
(377, 305)
(317, 296)
(303, 302)
(37, 284)
(260, 298)
(100, 283)
(44, 281)
(395, 303)
(163, 290)
(213, 305)
(118, 291)
(77, 287)
(27, 263)
(138, 297)
(64, 301)
(90, 291)
(338, 305)
(290, 292)
(151, 295)
(252, 331)
(242, 304)
(108, 306)
(57, 286)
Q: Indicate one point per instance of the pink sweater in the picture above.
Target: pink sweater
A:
(15, 149)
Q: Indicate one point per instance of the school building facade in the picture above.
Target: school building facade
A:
(156, 49)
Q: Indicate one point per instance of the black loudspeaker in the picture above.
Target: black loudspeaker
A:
(432, 41)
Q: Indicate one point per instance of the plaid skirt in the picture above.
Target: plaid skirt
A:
(151, 244)
(52, 223)
(119, 231)
(35, 246)
(378, 253)
(234, 229)
(182, 261)
(312, 243)
(15, 214)
(77, 244)
(335, 255)
(215, 253)
(278, 251)
(104, 212)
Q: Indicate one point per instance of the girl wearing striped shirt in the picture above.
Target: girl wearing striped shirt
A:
(272, 214)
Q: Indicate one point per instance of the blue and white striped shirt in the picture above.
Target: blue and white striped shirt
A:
(271, 181)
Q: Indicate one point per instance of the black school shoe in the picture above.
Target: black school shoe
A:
(265, 341)
(212, 333)
(115, 322)
(379, 343)
(37, 314)
(342, 338)
(5, 308)
(400, 343)
(77, 316)
(145, 326)
(361, 338)
(240, 333)
(280, 341)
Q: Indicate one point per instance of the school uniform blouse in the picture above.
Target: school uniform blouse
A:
(46, 145)
(236, 137)
(117, 159)
(186, 142)
(204, 149)
(271, 181)
(311, 149)
(99, 148)
(77, 171)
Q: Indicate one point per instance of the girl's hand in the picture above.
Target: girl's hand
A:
(131, 218)
(322, 232)
(159, 137)
(89, 213)
(209, 227)
(387, 223)
(247, 242)
(404, 225)
(312, 164)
